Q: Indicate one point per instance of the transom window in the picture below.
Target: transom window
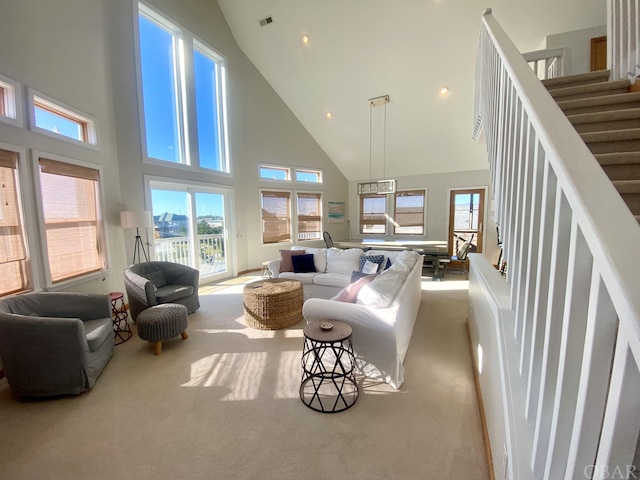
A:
(271, 172)
(56, 119)
(306, 175)
(175, 67)
(10, 101)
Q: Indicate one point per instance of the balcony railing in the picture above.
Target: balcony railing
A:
(210, 251)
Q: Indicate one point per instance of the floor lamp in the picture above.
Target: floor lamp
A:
(137, 220)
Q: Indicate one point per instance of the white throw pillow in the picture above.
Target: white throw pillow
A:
(343, 261)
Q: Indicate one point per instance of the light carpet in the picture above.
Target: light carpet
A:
(224, 404)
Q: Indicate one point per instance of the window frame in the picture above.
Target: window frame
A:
(270, 166)
(186, 122)
(88, 123)
(21, 187)
(101, 239)
(320, 216)
(292, 234)
(11, 102)
(400, 193)
(361, 218)
(319, 173)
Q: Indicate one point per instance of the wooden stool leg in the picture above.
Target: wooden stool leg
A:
(157, 347)
(185, 335)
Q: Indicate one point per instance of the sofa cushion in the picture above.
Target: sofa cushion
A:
(332, 280)
(303, 263)
(305, 278)
(350, 292)
(382, 290)
(170, 293)
(319, 256)
(343, 261)
(285, 259)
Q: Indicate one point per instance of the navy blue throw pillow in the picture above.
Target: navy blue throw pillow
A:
(303, 263)
(372, 258)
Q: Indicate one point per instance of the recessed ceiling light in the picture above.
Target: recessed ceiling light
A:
(329, 115)
(444, 90)
(305, 39)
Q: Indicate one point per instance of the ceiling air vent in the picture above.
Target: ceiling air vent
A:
(266, 21)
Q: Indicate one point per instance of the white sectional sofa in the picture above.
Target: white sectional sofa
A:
(384, 312)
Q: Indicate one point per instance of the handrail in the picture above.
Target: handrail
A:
(566, 232)
(553, 62)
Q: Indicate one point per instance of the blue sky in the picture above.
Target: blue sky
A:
(177, 202)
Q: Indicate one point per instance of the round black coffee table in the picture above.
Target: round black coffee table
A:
(328, 380)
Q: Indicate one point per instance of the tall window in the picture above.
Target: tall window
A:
(13, 272)
(70, 211)
(173, 68)
(408, 218)
(276, 216)
(373, 218)
(309, 210)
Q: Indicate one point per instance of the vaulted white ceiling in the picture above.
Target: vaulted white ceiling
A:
(407, 49)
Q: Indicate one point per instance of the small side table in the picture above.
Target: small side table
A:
(121, 326)
(328, 381)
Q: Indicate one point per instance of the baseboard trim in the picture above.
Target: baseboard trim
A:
(483, 419)
(244, 272)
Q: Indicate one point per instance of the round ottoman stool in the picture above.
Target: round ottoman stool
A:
(273, 304)
(162, 322)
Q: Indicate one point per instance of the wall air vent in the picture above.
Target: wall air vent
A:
(266, 21)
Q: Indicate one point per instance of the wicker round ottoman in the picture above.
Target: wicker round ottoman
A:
(273, 304)
(162, 322)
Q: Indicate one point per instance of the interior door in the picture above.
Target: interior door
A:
(466, 219)
(598, 53)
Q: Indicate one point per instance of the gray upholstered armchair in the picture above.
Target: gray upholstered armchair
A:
(54, 343)
(152, 283)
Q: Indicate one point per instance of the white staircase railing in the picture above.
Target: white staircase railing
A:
(571, 245)
(623, 35)
(548, 63)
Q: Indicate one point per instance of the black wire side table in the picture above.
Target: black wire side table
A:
(328, 381)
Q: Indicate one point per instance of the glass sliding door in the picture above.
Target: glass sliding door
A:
(190, 227)
(172, 226)
(210, 222)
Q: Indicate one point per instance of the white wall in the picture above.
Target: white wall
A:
(72, 50)
(261, 127)
(577, 47)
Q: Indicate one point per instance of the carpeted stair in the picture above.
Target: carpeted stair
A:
(606, 114)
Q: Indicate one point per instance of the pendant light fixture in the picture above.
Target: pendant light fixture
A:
(379, 186)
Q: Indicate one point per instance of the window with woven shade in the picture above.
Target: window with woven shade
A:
(13, 253)
(408, 218)
(70, 211)
(309, 211)
(276, 216)
(373, 214)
